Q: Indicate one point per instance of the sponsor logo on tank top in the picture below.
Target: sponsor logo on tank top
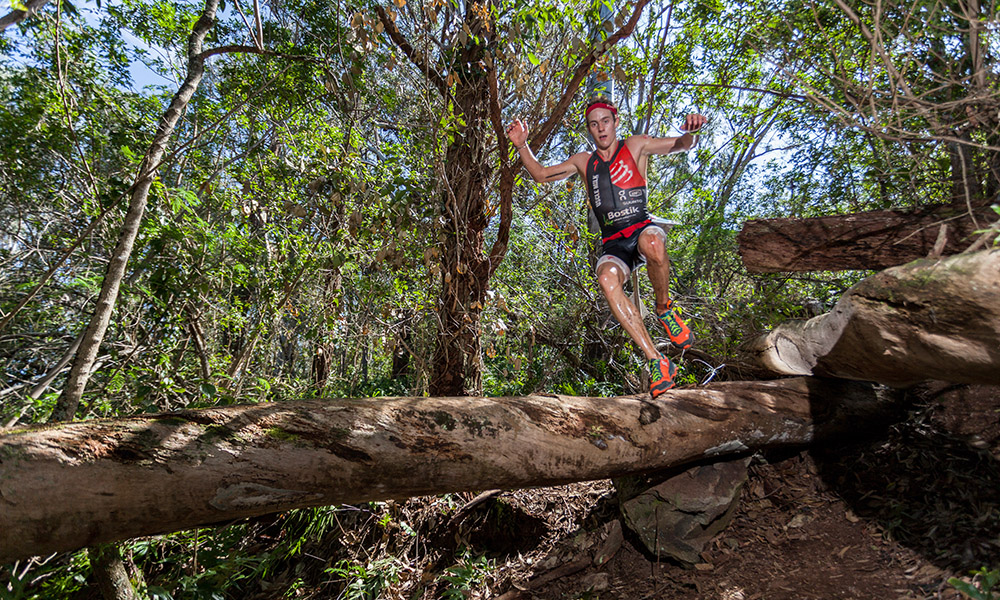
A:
(620, 172)
(618, 214)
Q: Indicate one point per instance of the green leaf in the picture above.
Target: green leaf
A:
(533, 59)
(967, 589)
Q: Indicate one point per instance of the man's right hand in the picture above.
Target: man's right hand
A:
(517, 133)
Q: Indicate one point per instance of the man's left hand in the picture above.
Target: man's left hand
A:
(693, 123)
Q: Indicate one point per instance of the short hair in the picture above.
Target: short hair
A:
(600, 101)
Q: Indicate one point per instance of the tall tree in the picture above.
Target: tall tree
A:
(79, 374)
(464, 73)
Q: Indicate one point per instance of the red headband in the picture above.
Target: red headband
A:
(613, 110)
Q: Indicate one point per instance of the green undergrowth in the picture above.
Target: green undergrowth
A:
(983, 585)
(364, 552)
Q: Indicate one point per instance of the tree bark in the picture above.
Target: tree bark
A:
(927, 320)
(69, 485)
(110, 572)
(79, 373)
(869, 240)
(16, 16)
(456, 368)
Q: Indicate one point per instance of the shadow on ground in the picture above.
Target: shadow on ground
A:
(931, 483)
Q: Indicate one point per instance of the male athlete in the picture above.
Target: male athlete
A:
(615, 176)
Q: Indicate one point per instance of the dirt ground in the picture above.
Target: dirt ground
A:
(889, 518)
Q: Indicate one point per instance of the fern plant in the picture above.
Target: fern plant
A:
(984, 585)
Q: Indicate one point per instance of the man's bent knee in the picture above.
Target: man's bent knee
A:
(610, 276)
(653, 245)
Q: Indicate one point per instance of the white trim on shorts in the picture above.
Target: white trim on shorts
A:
(655, 230)
(611, 258)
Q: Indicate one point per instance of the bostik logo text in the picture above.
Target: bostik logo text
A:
(625, 212)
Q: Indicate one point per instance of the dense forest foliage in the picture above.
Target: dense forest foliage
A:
(213, 203)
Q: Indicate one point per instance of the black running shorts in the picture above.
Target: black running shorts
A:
(624, 251)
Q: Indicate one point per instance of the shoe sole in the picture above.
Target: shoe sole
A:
(657, 391)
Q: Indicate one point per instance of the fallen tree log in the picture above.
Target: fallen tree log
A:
(927, 320)
(71, 485)
(868, 240)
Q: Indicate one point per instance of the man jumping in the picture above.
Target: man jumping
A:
(615, 176)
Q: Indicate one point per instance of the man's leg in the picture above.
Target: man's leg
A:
(652, 245)
(611, 276)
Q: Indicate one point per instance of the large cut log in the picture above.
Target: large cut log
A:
(927, 320)
(78, 484)
(868, 240)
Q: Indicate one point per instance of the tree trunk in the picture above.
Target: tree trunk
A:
(966, 179)
(110, 572)
(927, 320)
(401, 368)
(465, 268)
(74, 484)
(868, 240)
(456, 369)
(79, 374)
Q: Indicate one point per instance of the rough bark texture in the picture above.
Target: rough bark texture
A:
(927, 320)
(16, 16)
(869, 240)
(464, 268)
(110, 572)
(70, 485)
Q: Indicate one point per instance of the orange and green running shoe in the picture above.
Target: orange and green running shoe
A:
(678, 332)
(661, 375)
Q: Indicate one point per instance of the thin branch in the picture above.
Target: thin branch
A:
(419, 61)
(506, 192)
(539, 137)
(232, 48)
(250, 28)
(59, 262)
(65, 102)
(260, 26)
(656, 70)
(16, 16)
(742, 88)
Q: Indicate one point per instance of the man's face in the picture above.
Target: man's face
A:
(601, 123)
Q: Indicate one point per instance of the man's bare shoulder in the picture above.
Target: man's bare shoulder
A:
(637, 143)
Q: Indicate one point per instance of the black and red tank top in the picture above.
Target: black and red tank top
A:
(617, 192)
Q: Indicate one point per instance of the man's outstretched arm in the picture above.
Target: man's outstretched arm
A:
(517, 133)
(668, 145)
